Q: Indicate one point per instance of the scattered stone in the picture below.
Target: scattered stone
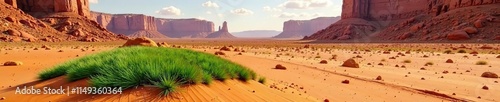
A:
(489, 75)
(449, 61)
(345, 81)
(350, 63)
(219, 53)
(3, 98)
(326, 100)
(162, 44)
(60, 51)
(423, 68)
(323, 62)
(486, 87)
(279, 66)
(422, 78)
(225, 49)
(13, 63)
(379, 78)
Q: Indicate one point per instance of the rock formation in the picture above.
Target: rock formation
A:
(185, 28)
(222, 33)
(132, 25)
(137, 25)
(301, 28)
(412, 20)
(56, 20)
(40, 8)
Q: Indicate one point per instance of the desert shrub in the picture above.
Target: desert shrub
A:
(481, 63)
(430, 63)
(447, 52)
(407, 61)
(262, 80)
(165, 68)
(462, 51)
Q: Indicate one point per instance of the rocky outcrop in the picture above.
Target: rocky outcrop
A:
(135, 25)
(185, 28)
(222, 33)
(423, 19)
(301, 28)
(39, 8)
(57, 20)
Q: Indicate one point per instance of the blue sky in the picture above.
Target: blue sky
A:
(241, 15)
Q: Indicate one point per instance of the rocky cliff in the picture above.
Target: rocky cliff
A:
(301, 28)
(185, 28)
(412, 20)
(56, 20)
(138, 24)
(222, 33)
(132, 25)
(39, 8)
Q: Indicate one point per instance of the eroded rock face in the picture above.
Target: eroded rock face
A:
(425, 19)
(42, 7)
(136, 24)
(222, 33)
(301, 28)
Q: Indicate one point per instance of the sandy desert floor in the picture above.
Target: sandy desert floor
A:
(422, 79)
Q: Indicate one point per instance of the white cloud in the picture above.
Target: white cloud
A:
(242, 11)
(305, 4)
(287, 15)
(210, 4)
(270, 9)
(295, 15)
(94, 1)
(208, 12)
(220, 15)
(170, 10)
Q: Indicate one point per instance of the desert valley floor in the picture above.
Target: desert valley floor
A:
(396, 72)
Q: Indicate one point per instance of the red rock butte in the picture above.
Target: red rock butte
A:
(392, 19)
(133, 24)
(301, 28)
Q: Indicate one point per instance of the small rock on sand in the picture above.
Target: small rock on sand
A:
(345, 81)
(379, 78)
(323, 62)
(220, 53)
(486, 88)
(13, 63)
(489, 75)
(350, 63)
(279, 66)
(449, 61)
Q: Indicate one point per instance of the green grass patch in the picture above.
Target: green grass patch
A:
(165, 68)
(262, 80)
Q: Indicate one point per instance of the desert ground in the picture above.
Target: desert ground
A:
(392, 72)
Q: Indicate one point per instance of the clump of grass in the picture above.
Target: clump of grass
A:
(165, 68)
(430, 63)
(481, 63)
(447, 52)
(462, 51)
(262, 80)
(407, 61)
